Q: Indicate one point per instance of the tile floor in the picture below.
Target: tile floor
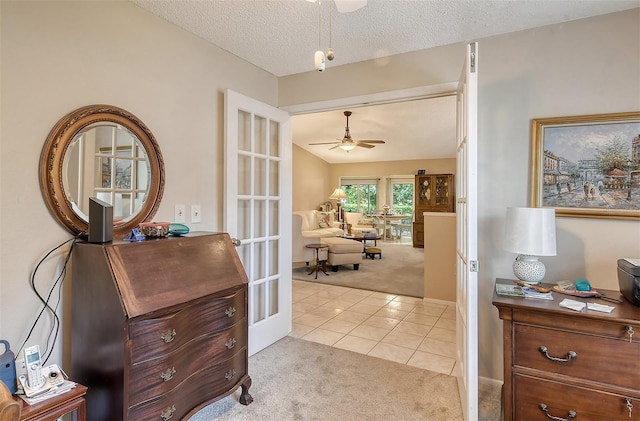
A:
(393, 327)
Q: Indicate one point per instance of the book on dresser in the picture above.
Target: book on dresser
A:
(159, 327)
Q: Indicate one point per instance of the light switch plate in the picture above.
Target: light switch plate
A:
(195, 214)
(180, 213)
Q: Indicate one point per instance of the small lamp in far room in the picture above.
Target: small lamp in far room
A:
(339, 195)
(530, 232)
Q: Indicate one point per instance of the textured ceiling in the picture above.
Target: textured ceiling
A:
(281, 36)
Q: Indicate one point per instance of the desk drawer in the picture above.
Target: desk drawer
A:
(617, 361)
(209, 382)
(155, 337)
(588, 404)
(151, 378)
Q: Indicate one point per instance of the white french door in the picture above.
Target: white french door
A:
(467, 234)
(257, 198)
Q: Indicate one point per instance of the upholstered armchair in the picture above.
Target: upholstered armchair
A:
(309, 227)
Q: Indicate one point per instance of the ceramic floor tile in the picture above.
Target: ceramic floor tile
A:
(352, 316)
(423, 319)
(442, 334)
(359, 292)
(378, 302)
(355, 344)
(391, 352)
(391, 313)
(430, 309)
(432, 362)
(314, 299)
(351, 299)
(412, 328)
(370, 332)
(311, 320)
(323, 336)
(298, 330)
(405, 299)
(364, 308)
(402, 339)
(326, 311)
(438, 347)
(340, 326)
(446, 324)
(449, 313)
(384, 322)
(383, 295)
(304, 307)
(337, 304)
(399, 305)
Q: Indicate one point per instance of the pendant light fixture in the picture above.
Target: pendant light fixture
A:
(319, 55)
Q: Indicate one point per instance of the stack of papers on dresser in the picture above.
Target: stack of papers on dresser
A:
(532, 293)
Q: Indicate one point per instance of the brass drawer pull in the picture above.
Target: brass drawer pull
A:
(570, 414)
(168, 336)
(230, 343)
(167, 413)
(629, 330)
(629, 406)
(230, 311)
(570, 355)
(230, 374)
(168, 374)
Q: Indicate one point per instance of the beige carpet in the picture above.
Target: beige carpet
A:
(400, 271)
(294, 379)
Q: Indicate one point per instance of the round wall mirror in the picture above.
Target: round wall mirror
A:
(104, 152)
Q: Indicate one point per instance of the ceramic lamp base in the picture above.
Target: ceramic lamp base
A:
(528, 269)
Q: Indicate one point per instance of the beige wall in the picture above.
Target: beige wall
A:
(58, 56)
(311, 183)
(589, 66)
(440, 256)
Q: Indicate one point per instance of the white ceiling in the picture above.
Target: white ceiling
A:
(281, 36)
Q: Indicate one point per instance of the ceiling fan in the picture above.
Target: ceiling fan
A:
(347, 143)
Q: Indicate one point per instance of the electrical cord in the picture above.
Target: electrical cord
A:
(46, 307)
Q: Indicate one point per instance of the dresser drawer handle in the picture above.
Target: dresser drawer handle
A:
(230, 343)
(230, 374)
(167, 413)
(570, 355)
(629, 330)
(168, 336)
(168, 374)
(570, 414)
(230, 311)
(629, 406)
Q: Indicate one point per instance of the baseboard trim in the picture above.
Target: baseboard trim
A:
(436, 301)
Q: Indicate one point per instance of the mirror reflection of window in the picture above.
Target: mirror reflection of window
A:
(106, 161)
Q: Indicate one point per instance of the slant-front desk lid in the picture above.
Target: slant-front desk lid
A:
(159, 273)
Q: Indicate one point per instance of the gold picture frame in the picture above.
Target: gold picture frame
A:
(587, 166)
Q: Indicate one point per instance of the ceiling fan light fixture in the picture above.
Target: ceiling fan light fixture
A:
(348, 146)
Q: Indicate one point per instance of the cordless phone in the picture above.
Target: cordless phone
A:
(35, 379)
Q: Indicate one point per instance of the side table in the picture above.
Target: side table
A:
(54, 408)
(321, 265)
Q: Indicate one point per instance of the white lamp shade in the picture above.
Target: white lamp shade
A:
(531, 231)
(338, 194)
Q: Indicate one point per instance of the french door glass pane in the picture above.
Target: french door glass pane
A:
(402, 198)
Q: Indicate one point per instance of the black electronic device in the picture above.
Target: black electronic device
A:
(100, 221)
(629, 279)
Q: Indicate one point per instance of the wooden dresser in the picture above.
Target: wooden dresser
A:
(159, 327)
(562, 364)
(433, 193)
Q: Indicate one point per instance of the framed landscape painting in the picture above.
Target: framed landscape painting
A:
(587, 166)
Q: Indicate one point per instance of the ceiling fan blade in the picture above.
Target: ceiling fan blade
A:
(365, 145)
(324, 143)
(333, 147)
(371, 141)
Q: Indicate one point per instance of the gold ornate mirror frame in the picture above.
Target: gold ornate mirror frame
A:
(57, 145)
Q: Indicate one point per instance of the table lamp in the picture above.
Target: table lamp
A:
(339, 195)
(530, 232)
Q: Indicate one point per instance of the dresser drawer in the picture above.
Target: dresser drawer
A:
(588, 404)
(151, 378)
(218, 380)
(155, 337)
(617, 361)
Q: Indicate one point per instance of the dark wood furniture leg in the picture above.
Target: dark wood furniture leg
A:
(245, 397)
